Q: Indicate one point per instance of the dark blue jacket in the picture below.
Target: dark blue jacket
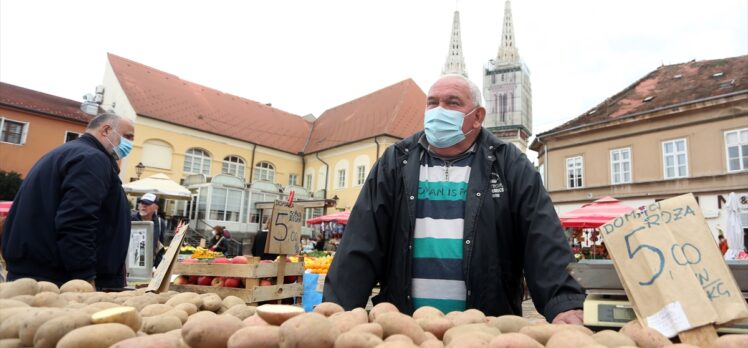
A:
(70, 218)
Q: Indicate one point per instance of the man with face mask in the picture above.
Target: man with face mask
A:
(452, 217)
(70, 218)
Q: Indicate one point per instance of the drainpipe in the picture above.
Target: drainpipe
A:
(327, 174)
(303, 168)
(252, 165)
(545, 163)
(376, 142)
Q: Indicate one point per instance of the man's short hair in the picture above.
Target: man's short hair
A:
(474, 89)
(102, 119)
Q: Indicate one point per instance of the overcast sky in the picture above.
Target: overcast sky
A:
(307, 56)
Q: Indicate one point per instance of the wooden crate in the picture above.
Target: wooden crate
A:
(252, 272)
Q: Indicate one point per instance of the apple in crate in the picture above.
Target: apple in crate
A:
(217, 281)
(232, 282)
(289, 279)
(221, 260)
(192, 279)
(265, 282)
(181, 280)
(204, 280)
(239, 260)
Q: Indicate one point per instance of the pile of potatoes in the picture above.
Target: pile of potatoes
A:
(39, 314)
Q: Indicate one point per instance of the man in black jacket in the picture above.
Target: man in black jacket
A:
(70, 218)
(452, 217)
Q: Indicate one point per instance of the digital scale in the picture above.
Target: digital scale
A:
(607, 305)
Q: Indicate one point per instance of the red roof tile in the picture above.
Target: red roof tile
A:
(27, 99)
(166, 97)
(395, 110)
(666, 86)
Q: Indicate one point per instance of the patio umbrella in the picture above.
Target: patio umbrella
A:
(160, 184)
(734, 233)
(594, 214)
(340, 218)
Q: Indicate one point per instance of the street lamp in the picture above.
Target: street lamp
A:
(139, 169)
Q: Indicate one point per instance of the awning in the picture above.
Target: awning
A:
(158, 184)
(341, 218)
(594, 214)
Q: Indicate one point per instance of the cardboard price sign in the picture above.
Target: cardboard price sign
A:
(671, 267)
(284, 236)
(160, 281)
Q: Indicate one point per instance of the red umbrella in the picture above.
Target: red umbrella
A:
(594, 214)
(5, 208)
(340, 217)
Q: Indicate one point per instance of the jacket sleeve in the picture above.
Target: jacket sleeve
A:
(546, 251)
(85, 183)
(360, 259)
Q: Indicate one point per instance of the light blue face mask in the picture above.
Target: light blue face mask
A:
(124, 148)
(443, 127)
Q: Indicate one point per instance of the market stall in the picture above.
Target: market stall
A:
(584, 222)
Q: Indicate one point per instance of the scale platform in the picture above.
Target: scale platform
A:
(607, 306)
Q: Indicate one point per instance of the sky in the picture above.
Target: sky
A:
(307, 56)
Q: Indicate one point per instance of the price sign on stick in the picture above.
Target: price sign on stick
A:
(160, 281)
(671, 267)
(284, 236)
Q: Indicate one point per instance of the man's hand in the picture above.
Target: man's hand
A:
(573, 316)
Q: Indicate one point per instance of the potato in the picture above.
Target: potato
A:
(210, 332)
(357, 340)
(98, 306)
(398, 323)
(189, 297)
(470, 316)
(435, 325)
(470, 341)
(182, 315)
(10, 343)
(399, 337)
(155, 309)
(432, 344)
(569, 339)
(211, 302)
(513, 340)
(478, 330)
(397, 344)
(153, 341)
(187, 307)
(202, 314)
(372, 328)
(427, 312)
(345, 321)
(277, 314)
(241, 311)
(49, 333)
(231, 301)
(508, 323)
(10, 326)
(254, 320)
(610, 338)
(11, 312)
(307, 330)
(140, 302)
(543, 332)
(328, 308)
(27, 299)
(381, 308)
(48, 286)
(10, 303)
(96, 336)
(77, 285)
(23, 286)
(33, 321)
(49, 299)
(644, 337)
(255, 337)
(732, 341)
(160, 324)
(124, 315)
(75, 305)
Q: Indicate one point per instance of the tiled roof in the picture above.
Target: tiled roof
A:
(666, 86)
(166, 97)
(396, 110)
(23, 98)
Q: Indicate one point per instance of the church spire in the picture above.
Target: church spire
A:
(508, 53)
(455, 62)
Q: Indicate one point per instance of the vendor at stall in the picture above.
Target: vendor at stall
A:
(148, 211)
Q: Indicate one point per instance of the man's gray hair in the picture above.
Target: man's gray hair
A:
(102, 119)
(474, 90)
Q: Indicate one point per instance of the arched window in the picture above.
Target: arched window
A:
(157, 154)
(197, 161)
(233, 165)
(264, 171)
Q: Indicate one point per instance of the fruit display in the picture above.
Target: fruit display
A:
(202, 253)
(318, 265)
(85, 318)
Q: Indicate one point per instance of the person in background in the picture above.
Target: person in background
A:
(723, 244)
(320, 244)
(70, 219)
(451, 217)
(220, 241)
(148, 211)
(258, 246)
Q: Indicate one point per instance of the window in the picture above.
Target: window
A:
(225, 204)
(341, 178)
(157, 154)
(233, 165)
(264, 171)
(13, 132)
(736, 143)
(308, 182)
(292, 179)
(674, 159)
(620, 166)
(361, 177)
(574, 166)
(70, 136)
(197, 161)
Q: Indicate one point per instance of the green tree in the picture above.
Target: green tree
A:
(10, 182)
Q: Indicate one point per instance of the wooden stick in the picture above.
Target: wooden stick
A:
(702, 336)
(281, 271)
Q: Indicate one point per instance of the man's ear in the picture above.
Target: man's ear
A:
(480, 115)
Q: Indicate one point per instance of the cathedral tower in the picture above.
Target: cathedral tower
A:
(455, 63)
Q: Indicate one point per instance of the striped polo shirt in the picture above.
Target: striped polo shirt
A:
(438, 280)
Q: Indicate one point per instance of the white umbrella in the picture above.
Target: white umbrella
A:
(161, 185)
(734, 232)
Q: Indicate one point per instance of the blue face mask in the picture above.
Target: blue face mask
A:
(124, 148)
(443, 127)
